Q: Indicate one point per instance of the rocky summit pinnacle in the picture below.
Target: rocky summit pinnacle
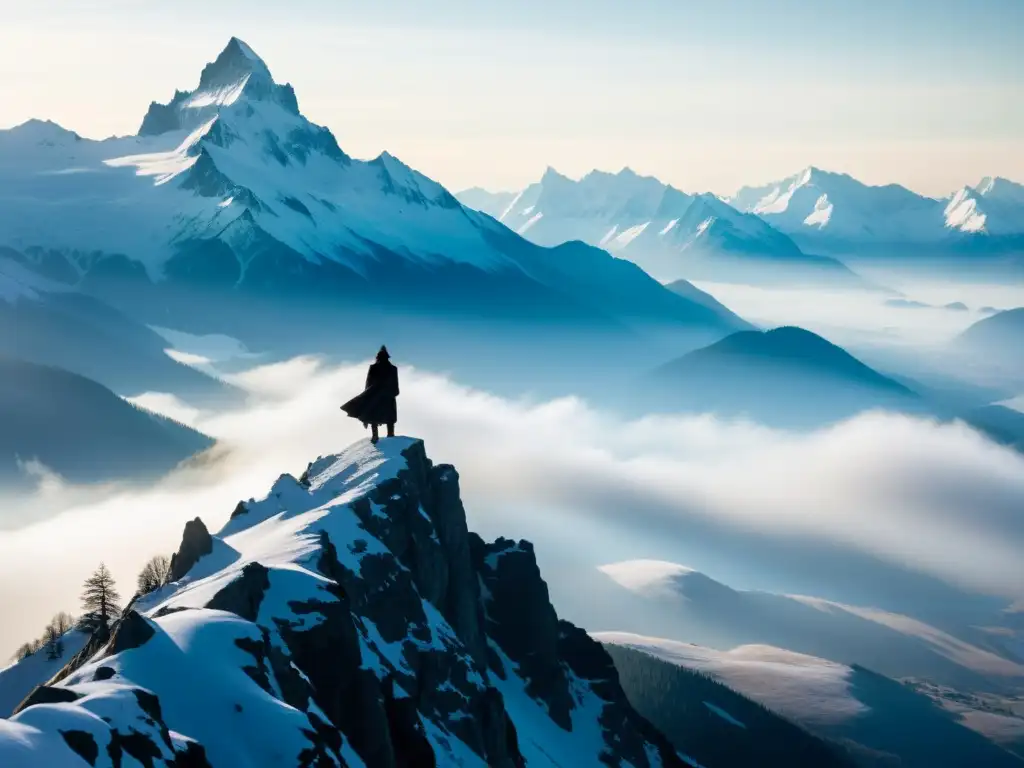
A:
(349, 618)
(235, 62)
(237, 75)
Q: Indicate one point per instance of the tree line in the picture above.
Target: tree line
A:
(100, 607)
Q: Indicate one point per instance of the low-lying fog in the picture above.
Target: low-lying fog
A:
(882, 510)
(878, 499)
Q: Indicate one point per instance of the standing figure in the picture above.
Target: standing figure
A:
(377, 403)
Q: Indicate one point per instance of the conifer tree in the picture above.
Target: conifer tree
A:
(100, 600)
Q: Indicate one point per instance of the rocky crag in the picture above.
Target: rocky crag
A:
(347, 619)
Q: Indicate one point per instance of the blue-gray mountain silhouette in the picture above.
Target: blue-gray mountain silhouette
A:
(787, 376)
(1001, 334)
(50, 324)
(81, 430)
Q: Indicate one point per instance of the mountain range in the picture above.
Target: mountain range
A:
(671, 234)
(1000, 336)
(230, 212)
(835, 212)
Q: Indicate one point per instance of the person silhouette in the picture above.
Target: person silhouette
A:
(378, 402)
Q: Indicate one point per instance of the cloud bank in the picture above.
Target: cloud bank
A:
(935, 502)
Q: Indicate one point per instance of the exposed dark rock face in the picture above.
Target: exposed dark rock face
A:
(82, 744)
(195, 542)
(631, 733)
(192, 756)
(45, 694)
(132, 631)
(521, 619)
(244, 595)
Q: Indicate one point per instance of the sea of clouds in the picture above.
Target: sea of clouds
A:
(889, 499)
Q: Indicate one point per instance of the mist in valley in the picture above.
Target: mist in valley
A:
(882, 510)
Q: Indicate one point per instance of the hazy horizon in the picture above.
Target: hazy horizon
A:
(705, 99)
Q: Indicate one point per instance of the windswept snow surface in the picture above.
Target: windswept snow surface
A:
(893, 644)
(646, 576)
(803, 688)
(20, 677)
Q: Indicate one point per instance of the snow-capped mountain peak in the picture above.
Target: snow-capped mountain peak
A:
(996, 187)
(995, 206)
(236, 73)
(667, 232)
(962, 212)
(816, 204)
(236, 61)
(45, 132)
(230, 187)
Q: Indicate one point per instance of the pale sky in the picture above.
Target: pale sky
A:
(704, 95)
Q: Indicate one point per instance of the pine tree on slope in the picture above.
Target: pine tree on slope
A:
(100, 600)
(54, 643)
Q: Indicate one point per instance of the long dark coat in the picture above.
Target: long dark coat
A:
(377, 404)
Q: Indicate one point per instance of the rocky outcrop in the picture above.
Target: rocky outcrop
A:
(522, 621)
(195, 542)
(357, 597)
(132, 631)
(45, 694)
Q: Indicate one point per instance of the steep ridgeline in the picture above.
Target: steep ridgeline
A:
(671, 234)
(347, 619)
(835, 213)
(49, 414)
(231, 212)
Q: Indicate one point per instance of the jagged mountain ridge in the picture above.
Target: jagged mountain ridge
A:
(348, 619)
(229, 196)
(834, 210)
(669, 233)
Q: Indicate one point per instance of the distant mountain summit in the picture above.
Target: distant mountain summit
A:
(787, 376)
(229, 199)
(236, 73)
(837, 205)
(671, 234)
(1000, 335)
(835, 211)
(995, 206)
